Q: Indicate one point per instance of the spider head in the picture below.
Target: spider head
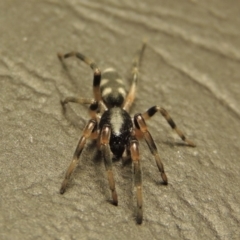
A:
(117, 145)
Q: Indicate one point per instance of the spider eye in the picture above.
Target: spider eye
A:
(117, 146)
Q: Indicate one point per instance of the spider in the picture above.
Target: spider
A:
(114, 129)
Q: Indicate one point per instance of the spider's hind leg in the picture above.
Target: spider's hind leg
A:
(77, 100)
(93, 66)
(135, 73)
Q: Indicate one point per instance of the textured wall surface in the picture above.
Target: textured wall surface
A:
(190, 67)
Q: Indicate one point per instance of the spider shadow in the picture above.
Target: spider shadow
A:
(173, 144)
(67, 110)
(72, 117)
(67, 72)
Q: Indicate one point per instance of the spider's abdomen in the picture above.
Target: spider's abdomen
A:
(112, 88)
(121, 126)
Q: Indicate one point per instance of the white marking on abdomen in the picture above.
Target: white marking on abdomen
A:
(109, 70)
(104, 81)
(122, 91)
(119, 80)
(106, 91)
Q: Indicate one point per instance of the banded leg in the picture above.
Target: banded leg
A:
(94, 106)
(135, 73)
(94, 67)
(86, 134)
(151, 111)
(140, 124)
(137, 178)
(106, 152)
(77, 100)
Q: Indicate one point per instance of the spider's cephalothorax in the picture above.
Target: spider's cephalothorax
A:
(121, 126)
(113, 127)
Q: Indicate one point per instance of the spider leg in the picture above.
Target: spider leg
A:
(151, 111)
(135, 73)
(106, 152)
(77, 100)
(140, 124)
(87, 133)
(134, 150)
(94, 67)
(94, 106)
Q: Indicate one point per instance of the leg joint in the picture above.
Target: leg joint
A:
(140, 122)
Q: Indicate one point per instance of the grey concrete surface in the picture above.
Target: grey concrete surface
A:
(190, 67)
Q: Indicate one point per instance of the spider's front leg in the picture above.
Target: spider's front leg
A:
(106, 152)
(134, 151)
(141, 125)
(87, 133)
